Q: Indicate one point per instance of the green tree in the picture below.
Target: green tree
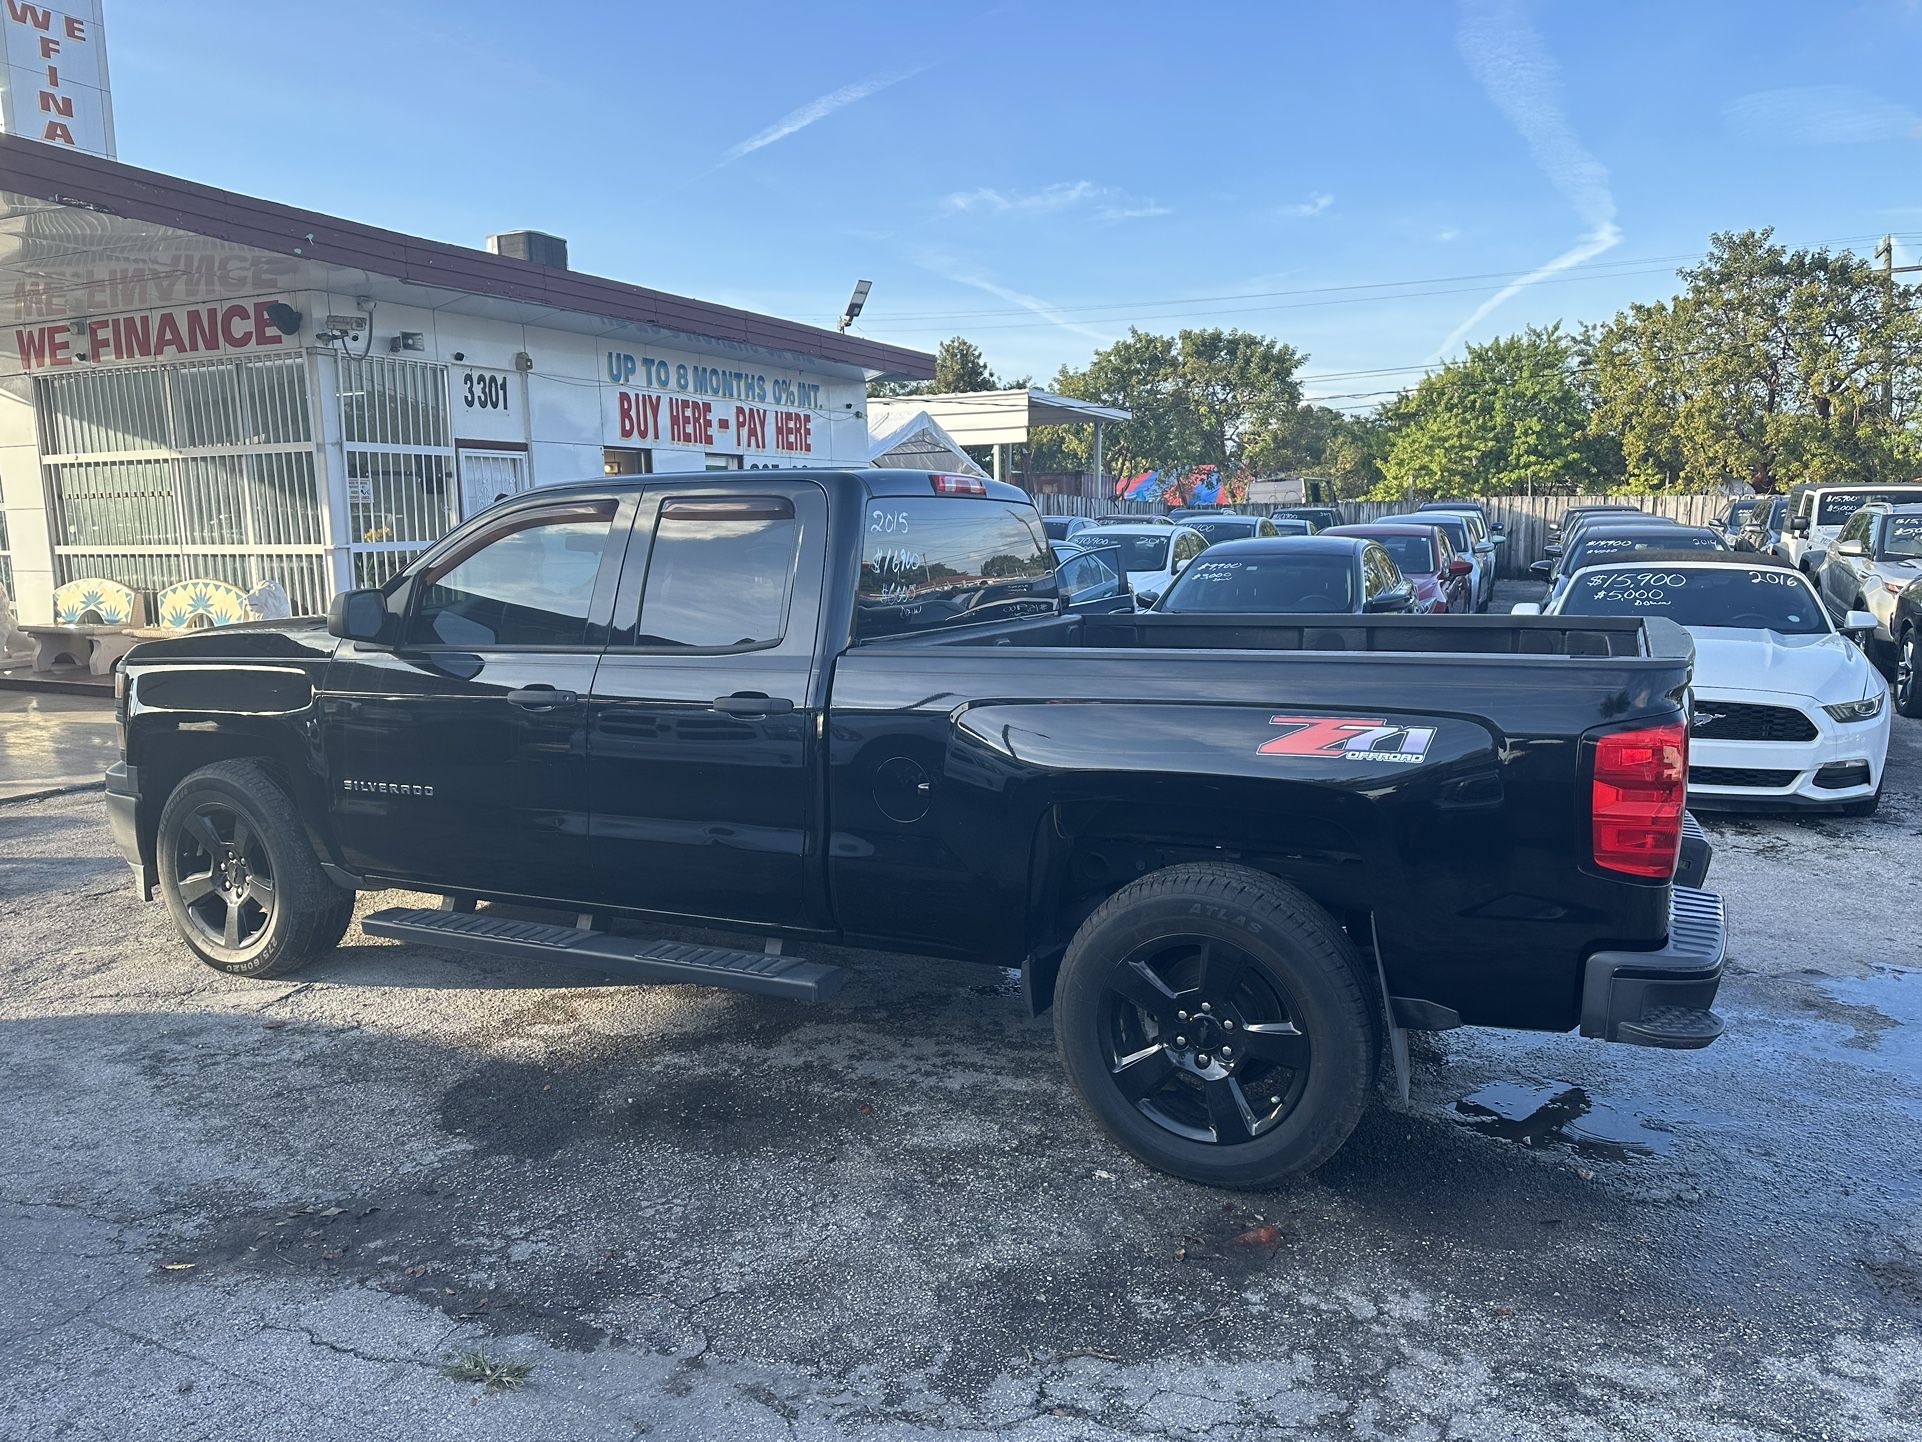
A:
(959, 365)
(1512, 416)
(1203, 396)
(1769, 368)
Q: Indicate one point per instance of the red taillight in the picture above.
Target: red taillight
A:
(959, 485)
(1640, 787)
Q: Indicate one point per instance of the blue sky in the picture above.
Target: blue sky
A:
(1375, 184)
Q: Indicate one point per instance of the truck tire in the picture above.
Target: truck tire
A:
(1216, 1023)
(239, 877)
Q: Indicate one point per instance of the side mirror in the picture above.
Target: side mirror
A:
(1525, 608)
(1858, 623)
(1551, 551)
(1850, 548)
(1395, 598)
(1500, 528)
(1458, 568)
(358, 616)
(1541, 570)
(1799, 526)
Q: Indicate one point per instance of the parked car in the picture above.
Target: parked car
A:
(1461, 536)
(1089, 578)
(1556, 529)
(1734, 518)
(1319, 518)
(1153, 555)
(1492, 529)
(1788, 713)
(1907, 628)
(841, 707)
(1604, 539)
(1118, 518)
(1762, 531)
(1292, 526)
(1817, 515)
(1876, 557)
(1581, 523)
(1059, 528)
(1424, 554)
(1218, 527)
(1291, 575)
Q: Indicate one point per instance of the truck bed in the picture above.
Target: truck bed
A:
(1615, 637)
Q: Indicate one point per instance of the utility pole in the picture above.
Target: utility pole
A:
(1885, 252)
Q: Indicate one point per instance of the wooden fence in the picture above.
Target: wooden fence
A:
(1526, 518)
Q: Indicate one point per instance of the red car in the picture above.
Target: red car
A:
(1427, 558)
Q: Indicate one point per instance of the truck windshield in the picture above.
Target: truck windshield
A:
(933, 561)
(1835, 507)
(1287, 585)
(1749, 597)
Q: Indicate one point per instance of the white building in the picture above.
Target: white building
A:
(195, 383)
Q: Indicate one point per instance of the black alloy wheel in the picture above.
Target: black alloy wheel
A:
(225, 877)
(239, 875)
(1217, 1024)
(1203, 1042)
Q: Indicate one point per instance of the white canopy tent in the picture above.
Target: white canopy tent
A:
(916, 442)
(995, 418)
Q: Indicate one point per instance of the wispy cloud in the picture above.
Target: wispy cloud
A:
(1449, 233)
(1108, 203)
(1507, 59)
(1313, 205)
(817, 109)
(1821, 115)
(1031, 303)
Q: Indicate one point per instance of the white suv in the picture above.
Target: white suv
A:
(1818, 513)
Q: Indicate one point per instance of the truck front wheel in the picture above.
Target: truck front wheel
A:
(239, 877)
(1215, 1022)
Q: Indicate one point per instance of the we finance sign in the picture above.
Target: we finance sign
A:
(146, 336)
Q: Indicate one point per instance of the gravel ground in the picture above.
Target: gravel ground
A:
(274, 1209)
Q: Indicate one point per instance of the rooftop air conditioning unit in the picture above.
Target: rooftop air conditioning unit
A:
(535, 245)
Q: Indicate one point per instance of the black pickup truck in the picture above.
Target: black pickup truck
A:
(1238, 855)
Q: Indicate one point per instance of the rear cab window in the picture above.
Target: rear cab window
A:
(931, 562)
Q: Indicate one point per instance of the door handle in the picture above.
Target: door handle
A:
(749, 703)
(543, 698)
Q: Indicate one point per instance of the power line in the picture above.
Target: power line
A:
(897, 321)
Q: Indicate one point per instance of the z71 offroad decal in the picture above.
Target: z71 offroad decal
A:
(1348, 738)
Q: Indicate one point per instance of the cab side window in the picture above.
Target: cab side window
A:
(720, 574)
(1858, 527)
(528, 582)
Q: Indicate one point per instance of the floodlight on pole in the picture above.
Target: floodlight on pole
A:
(855, 302)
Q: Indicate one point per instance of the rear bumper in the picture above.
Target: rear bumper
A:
(123, 805)
(1661, 998)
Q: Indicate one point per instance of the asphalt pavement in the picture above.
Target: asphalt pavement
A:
(275, 1209)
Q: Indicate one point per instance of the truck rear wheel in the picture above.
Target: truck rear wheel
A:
(1215, 1022)
(239, 877)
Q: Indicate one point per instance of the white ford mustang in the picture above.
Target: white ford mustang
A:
(1788, 712)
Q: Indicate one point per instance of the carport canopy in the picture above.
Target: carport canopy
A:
(995, 418)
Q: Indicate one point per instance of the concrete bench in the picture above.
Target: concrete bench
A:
(93, 624)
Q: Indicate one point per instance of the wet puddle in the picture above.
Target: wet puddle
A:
(1885, 1009)
(1560, 1113)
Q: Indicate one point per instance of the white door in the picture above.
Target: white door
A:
(489, 476)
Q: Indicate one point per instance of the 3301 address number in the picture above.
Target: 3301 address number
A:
(482, 392)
